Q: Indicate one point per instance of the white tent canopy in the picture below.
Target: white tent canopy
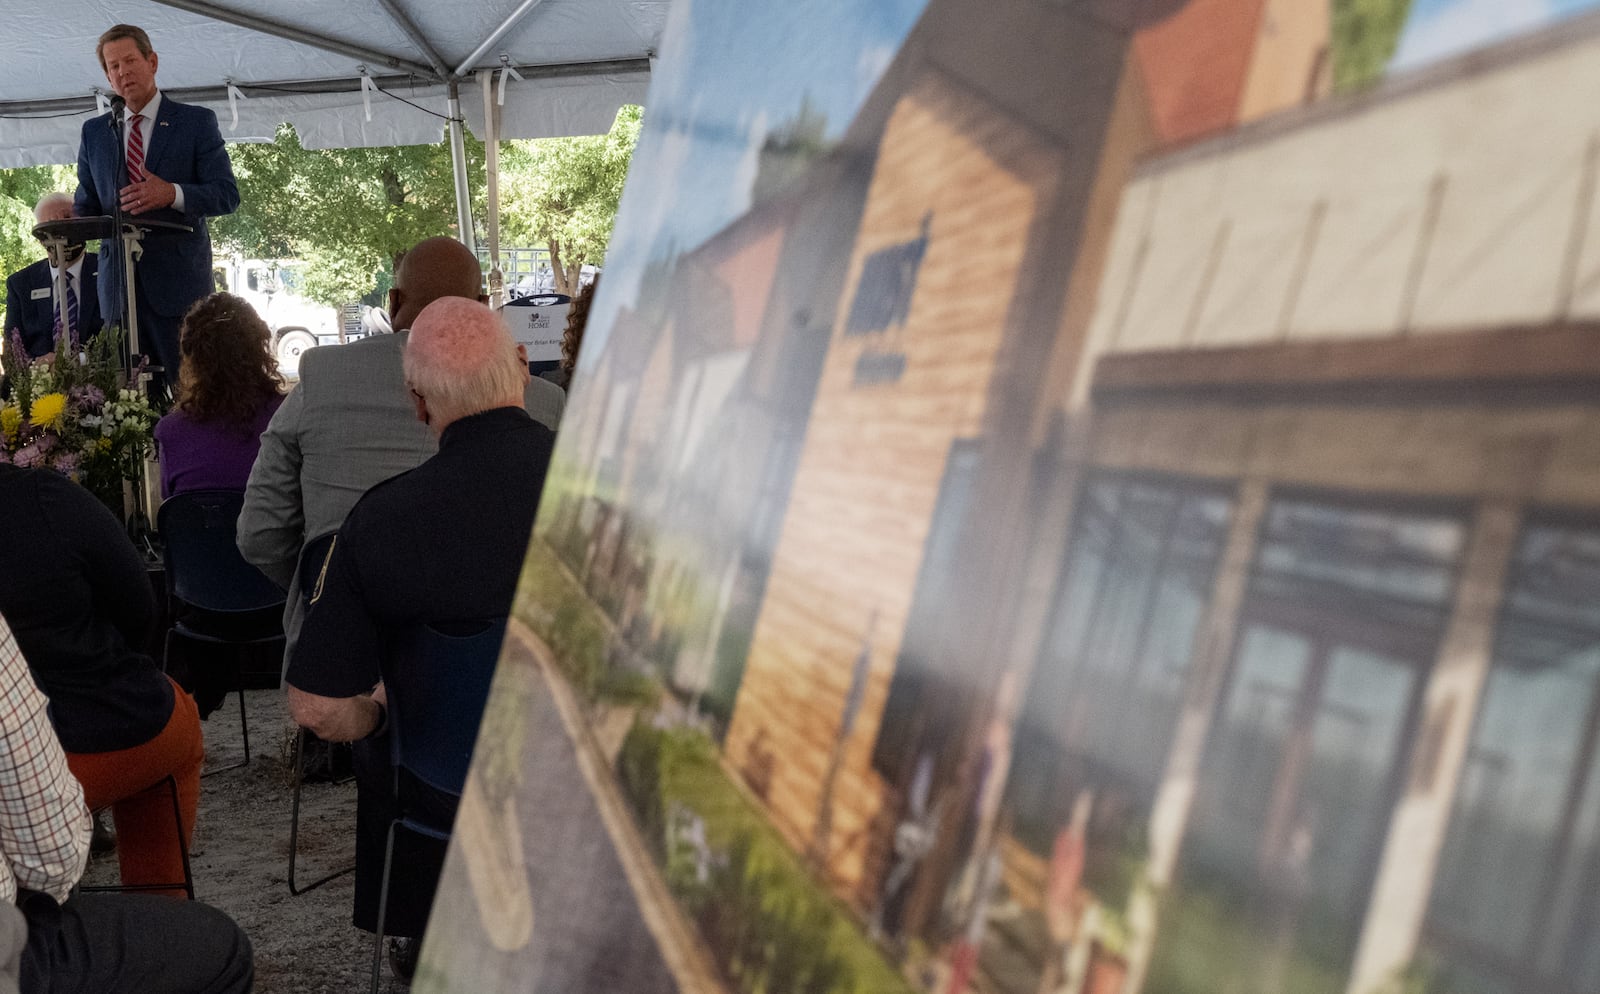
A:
(345, 73)
(302, 61)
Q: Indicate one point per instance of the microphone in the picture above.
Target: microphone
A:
(117, 106)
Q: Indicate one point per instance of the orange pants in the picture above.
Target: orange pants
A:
(132, 782)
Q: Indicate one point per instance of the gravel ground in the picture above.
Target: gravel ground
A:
(304, 944)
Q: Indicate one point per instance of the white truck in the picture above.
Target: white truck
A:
(272, 288)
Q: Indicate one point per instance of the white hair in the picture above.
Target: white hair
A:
(50, 200)
(461, 359)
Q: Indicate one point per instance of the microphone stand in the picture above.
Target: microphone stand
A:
(57, 248)
(127, 238)
(129, 235)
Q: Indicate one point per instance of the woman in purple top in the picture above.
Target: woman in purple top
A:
(228, 389)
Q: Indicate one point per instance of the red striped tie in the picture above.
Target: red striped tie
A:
(136, 151)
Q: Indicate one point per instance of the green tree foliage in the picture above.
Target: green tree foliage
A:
(1365, 33)
(348, 212)
(563, 193)
(20, 190)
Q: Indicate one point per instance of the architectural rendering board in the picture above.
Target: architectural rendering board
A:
(1069, 497)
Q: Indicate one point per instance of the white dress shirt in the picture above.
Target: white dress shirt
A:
(147, 124)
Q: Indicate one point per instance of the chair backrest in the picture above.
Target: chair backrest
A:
(312, 558)
(204, 566)
(437, 684)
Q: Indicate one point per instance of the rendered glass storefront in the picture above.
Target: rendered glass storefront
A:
(1516, 900)
(1104, 695)
(1339, 628)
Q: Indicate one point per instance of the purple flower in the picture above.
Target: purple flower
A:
(28, 456)
(68, 463)
(88, 397)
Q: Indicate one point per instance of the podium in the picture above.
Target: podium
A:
(58, 236)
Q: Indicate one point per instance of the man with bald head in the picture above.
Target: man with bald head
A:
(349, 424)
(440, 545)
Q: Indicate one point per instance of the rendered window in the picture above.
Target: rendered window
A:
(1105, 693)
(1516, 901)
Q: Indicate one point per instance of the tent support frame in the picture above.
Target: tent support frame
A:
(458, 164)
(403, 21)
(199, 94)
(510, 22)
(434, 72)
(339, 47)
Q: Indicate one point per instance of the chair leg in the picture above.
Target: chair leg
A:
(294, 807)
(244, 719)
(383, 907)
(183, 846)
(294, 824)
(187, 884)
(244, 724)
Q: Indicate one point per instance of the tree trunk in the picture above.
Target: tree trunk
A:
(394, 193)
(564, 272)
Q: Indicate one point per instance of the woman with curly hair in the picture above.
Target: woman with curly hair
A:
(572, 337)
(228, 389)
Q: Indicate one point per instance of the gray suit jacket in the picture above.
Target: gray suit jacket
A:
(349, 424)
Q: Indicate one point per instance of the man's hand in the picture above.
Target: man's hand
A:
(152, 193)
(335, 719)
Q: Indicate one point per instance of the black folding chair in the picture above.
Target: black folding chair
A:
(217, 598)
(312, 559)
(187, 883)
(437, 684)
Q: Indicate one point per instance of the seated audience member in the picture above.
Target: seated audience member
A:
(32, 310)
(572, 337)
(105, 943)
(77, 596)
(228, 390)
(440, 544)
(349, 424)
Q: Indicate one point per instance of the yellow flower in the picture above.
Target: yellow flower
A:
(10, 420)
(47, 410)
(104, 445)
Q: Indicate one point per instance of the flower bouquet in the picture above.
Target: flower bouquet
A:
(75, 411)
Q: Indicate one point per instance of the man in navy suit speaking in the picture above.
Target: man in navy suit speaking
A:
(178, 171)
(32, 310)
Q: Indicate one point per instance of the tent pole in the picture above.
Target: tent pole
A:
(274, 28)
(495, 36)
(404, 23)
(342, 84)
(458, 165)
(491, 148)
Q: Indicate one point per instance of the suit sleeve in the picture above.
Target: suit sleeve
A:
(86, 202)
(214, 191)
(272, 524)
(544, 401)
(340, 643)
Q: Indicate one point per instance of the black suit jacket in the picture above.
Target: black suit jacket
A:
(34, 316)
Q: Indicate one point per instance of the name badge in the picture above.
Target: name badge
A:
(43, 293)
